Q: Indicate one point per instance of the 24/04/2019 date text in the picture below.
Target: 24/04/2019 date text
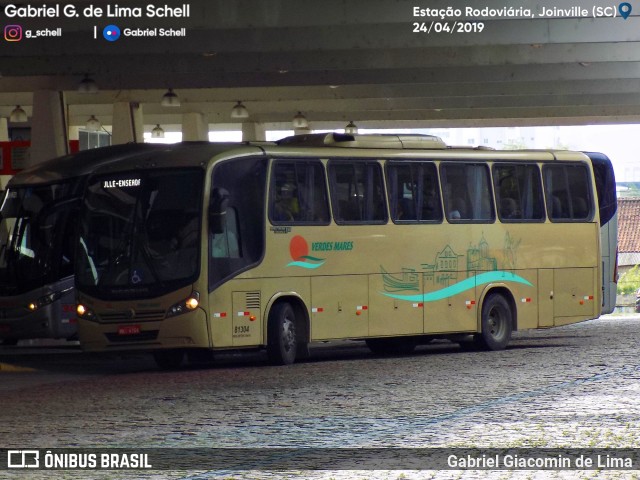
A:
(448, 27)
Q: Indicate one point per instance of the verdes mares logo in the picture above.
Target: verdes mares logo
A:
(13, 33)
(299, 251)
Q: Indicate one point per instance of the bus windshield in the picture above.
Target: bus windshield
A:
(35, 237)
(140, 233)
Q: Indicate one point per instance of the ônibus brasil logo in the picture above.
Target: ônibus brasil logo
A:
(299, 251)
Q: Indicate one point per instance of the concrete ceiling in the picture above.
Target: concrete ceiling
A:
(337, 60)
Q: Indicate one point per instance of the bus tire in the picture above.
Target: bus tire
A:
(497, 323)
(282, 343)
(169, 359)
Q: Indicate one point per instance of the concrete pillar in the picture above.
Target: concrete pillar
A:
(252, 131)
(74, 133)
(48, 127)
(4, 130)
(194, 127)
(127, 123)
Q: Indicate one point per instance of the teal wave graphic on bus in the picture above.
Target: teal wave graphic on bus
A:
(463, 286)
(307, 262)
(299, 251)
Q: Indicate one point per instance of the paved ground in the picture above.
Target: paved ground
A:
(574, 386)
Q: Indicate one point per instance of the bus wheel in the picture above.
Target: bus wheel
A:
(169, 359)
(281, 335)
(392, 346)
(497, 323)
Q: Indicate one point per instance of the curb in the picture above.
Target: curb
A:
(5, 367)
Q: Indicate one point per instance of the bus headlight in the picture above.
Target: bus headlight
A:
(184, 306)
(85, 312)
(47, 299)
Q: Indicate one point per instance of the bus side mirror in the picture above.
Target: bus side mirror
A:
(218, 210)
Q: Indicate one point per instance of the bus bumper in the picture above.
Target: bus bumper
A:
(49, 321)
(184, 331)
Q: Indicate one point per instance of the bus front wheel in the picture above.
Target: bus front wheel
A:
(281, 335)
(497, 323)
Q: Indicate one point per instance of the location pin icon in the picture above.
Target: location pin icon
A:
(625, 9)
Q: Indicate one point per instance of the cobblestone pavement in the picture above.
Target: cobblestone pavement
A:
(576, 386)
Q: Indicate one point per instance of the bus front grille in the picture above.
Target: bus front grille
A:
(132, 316)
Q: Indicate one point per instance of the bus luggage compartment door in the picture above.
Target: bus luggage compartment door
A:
(574, 295)
(340, 307)
(545, 297)
(391, 314)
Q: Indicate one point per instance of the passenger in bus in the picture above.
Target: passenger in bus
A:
(557, 210)
(225, 244)
(454, 215)
(580, 209)
(459, 210)
(508, 208)
(405, 209)
(431, 207)
(286, 207)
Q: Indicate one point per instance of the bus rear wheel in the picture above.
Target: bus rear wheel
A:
(497, 323)
(282, 343)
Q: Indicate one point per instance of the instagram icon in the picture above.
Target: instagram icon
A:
(13, 33)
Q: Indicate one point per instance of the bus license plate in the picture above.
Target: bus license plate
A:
(129, 330)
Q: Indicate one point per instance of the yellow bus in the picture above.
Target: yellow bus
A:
(392, 239)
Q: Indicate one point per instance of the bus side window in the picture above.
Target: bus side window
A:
(413, 193)
(298, 193)
(518, 191)
(467, 192)
(568, 193)
(357, 192)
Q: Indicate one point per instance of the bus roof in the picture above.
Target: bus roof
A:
(81, 163)
(185, 154)
(396, 141)
(406, 147)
